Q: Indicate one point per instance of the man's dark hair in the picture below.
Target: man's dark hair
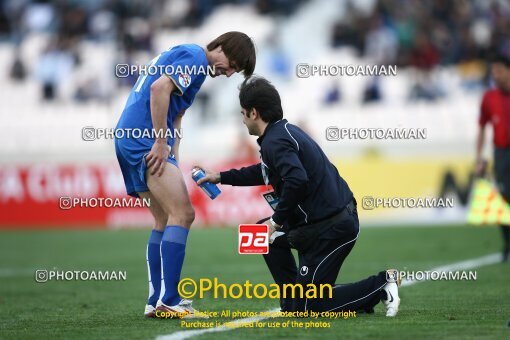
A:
(259, 93)
(239, 49)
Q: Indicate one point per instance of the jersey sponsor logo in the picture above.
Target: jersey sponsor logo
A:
(253, 239)
(184, 79)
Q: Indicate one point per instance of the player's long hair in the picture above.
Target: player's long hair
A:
(238, 48)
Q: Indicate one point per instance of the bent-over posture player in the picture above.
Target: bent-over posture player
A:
(157, 103)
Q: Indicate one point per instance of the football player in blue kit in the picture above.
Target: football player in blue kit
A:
(157, 104)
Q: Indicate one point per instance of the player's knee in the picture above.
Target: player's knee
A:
(189, 216)
(184, 217)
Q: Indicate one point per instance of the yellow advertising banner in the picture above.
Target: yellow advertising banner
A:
(406, 181)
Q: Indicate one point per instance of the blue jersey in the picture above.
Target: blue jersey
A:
(177, 62)
(186, 66)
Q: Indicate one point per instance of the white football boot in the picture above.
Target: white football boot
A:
(183, 310)
(150, 311)
(392, 300)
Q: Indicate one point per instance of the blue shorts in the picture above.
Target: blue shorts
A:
(131, 156)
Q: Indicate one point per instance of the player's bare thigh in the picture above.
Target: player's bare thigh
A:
(157, 211)
(170, 192)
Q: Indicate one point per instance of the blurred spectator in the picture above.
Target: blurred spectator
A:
(38, 16)
(18, 71)
(278, 60)
(11, 13)
(86, 91)
(284, 7)
(197, 12)
(136, 34)
(381, 49)
(349, 32)
(333, 95)
(93, 88)
(54, 65)
(380, 42)
(424, 57)
(72, 20)
(372, 92)
(4, 21)
(102, 25)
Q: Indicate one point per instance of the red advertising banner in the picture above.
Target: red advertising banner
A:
(38, 196)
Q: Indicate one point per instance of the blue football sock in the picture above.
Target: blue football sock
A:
(173, 248)
(154, 266)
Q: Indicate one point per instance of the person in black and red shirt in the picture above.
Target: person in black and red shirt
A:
(496, 110)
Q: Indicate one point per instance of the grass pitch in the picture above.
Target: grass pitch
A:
(114, 310)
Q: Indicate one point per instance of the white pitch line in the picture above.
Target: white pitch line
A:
(232, 325)
(16, 272)
(463, 265)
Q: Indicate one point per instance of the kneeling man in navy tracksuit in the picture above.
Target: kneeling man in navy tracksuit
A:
(316, 211)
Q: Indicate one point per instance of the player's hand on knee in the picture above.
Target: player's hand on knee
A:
(157, 157)
(210, 175)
